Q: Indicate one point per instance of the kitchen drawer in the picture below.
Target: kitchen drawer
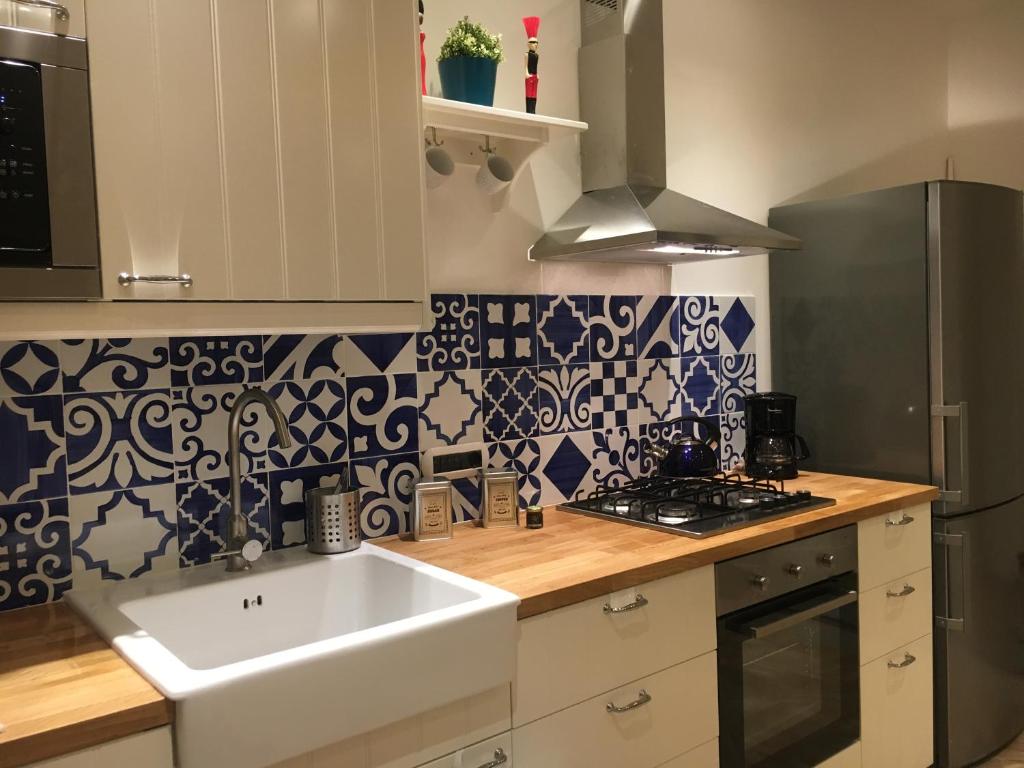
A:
(891, 546)
(895, 614)
(484, 753)
(681, 714)
(574, 653)
(896, 708)
(14, 14)
(149, 749)
(848, 758)
(704, 756)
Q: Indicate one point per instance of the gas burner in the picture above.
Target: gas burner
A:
(747, 498)
(675, 512)
(618, 506)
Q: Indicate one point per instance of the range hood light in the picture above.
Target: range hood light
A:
(695, 250)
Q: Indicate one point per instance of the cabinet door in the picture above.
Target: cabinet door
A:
(151, 749)
(43, 19)
(269, 149)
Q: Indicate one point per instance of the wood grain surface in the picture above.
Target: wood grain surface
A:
(62, 688)
(574, 557)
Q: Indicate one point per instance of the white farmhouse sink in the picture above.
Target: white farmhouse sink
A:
(328, 647)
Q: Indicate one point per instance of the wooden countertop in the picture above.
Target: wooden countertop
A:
(62, 688)
(575, 558)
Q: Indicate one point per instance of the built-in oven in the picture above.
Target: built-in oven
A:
(788, 657)
(49, 245)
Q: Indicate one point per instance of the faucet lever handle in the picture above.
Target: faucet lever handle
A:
(251, 551)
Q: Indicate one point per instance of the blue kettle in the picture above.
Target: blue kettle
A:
(689, 456)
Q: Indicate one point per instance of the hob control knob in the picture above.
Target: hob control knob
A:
(6, 124)
(761, 582)
(795, 570)
(827, 559)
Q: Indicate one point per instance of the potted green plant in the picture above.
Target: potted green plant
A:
(468, 63)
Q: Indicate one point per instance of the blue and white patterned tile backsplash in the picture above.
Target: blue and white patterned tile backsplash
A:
(113, 452)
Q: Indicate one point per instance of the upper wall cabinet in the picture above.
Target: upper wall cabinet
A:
(62, 17)
(267, 149)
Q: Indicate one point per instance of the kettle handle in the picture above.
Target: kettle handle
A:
(805, 452)
(716, 435)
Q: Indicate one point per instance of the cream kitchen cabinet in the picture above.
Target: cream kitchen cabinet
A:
(150, 749)
(267, 149)
(61, 17)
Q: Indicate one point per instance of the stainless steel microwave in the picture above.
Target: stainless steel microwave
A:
(49, 244)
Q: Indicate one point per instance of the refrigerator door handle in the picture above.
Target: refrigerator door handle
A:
(958, 541)
(959, 412)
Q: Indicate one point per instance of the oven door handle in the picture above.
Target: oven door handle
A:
(828, 604)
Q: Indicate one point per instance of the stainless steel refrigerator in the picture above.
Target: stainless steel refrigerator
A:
(900, 328)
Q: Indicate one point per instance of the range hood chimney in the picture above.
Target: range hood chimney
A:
(626, 213)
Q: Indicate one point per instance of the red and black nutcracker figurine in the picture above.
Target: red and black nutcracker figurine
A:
(532, 24)
(423, 54)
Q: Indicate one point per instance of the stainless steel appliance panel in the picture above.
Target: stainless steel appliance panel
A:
(849, 319)
(976, 285)
(979, 664)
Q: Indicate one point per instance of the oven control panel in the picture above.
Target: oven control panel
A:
(770, 573)
(24, 202)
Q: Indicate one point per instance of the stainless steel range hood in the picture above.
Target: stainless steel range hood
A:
(626, 214)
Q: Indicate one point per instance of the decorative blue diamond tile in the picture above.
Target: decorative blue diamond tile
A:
(616, 457)
(739, 379)
(510, 404)
(287, 500)
(297, 357)
(200, 429)
(657, 327)
(508, 328)
(372, 354)
(29, 368)
(453, 343)
(118, 535)
(734, 439)
(699, 326)
(317, 421)
(386, 484)
(563, 398)
(659, 395)
(566, 466)
(451, 408)
(111, 365)
(204, 511)
(699, 383)
(524, 457)
(33, 465)
(613, 394)
(382, 415)
(562, 335)
(118, 440)
(612, 328)
(216, 360)
(35, 553)
(737, 325)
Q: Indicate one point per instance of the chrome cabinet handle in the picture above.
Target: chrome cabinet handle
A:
(905, 520)
(500, 758)
(639, 602)
(60, 11)
(642, 698)
(907, 661)
(907, 590)
(185, 281)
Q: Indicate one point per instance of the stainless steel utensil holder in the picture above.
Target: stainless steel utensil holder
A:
(332, 521)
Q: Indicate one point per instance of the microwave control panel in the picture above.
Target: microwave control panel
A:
(24, 202)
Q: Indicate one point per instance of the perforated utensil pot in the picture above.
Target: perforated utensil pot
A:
(332, 521)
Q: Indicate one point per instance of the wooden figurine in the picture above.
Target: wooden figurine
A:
(532, 25)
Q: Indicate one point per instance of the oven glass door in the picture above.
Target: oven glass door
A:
(789, 692)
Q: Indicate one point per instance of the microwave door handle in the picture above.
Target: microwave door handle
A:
(827, 605)
(60, 11)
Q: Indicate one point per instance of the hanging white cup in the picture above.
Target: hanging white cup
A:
(439, 166)
(495, 174)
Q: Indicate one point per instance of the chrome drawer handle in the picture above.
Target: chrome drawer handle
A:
(907, 590)
(500, 758)
(905, 520)
(639, 602)
(60, 11)
(185, 281)
(907, 661)
(642, 698)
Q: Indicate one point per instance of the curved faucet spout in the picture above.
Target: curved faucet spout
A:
(238, 525)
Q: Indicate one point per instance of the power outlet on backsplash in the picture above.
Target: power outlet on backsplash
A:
(113, 452)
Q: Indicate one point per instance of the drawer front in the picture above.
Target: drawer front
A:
(574, 653)
(896, 708)
(496, 752)
(893, 545)
(895, 614)
(150, 749)
(848, 758)
(680, 715)
(704, 756)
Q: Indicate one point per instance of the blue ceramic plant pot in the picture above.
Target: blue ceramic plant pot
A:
(469, 78)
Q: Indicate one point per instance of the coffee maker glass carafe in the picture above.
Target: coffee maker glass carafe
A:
(773, 446)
